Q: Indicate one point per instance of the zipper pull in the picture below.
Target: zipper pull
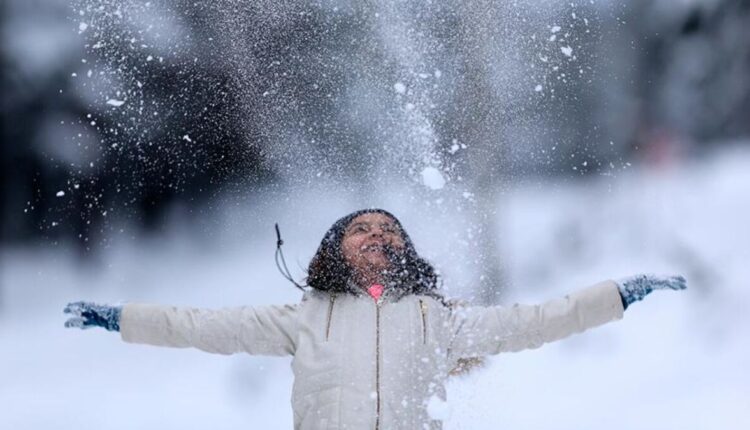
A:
(330, 314)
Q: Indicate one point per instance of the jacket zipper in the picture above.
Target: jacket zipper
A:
(377, 364)
(423, 310)
(330, 313)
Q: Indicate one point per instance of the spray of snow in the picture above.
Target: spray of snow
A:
(432, 178)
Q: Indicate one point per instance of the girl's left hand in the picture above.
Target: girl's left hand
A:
(634, 288)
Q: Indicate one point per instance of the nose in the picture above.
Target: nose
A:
(376, 231)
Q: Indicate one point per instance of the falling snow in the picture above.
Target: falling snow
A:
(432, 178)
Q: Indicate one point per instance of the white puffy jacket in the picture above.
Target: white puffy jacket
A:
(361, 365)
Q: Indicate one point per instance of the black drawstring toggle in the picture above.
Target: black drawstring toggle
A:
(279, 242)
(279, 255)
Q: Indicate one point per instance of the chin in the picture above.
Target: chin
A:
(379, 265)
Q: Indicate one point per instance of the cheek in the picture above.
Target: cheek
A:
(349, 248)
(398, 241)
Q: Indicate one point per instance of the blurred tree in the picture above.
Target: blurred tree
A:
(124, 139)
(689, 72)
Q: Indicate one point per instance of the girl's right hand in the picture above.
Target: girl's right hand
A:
(88, 314)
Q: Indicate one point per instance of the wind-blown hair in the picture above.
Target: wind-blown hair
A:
(329, 271)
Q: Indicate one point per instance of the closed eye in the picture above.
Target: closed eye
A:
(359, 227)
(389, 228)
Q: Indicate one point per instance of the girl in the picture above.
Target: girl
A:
(372, 340)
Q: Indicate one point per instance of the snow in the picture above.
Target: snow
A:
(687, 350)
(432, 178)
(438, 409)
(115, 102)
(417, 69)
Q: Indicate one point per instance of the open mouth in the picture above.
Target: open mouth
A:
(374, 248)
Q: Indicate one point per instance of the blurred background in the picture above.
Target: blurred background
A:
(530, 148)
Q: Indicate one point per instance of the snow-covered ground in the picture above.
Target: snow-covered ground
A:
(676, 361)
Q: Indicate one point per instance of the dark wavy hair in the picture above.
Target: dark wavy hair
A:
(328, 270)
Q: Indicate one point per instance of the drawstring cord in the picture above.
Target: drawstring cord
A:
(280, 255)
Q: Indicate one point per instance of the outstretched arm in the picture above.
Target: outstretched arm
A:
(266, 330)
(480, 330)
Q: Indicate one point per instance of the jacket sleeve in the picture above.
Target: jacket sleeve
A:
(479, 330)
(266, 330)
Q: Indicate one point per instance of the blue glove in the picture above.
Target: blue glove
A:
(87, 315)
(634, 288)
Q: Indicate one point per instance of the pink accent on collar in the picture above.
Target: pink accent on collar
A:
(375, 290)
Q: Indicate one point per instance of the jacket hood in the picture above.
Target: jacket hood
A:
(335, 233)
(328, 270)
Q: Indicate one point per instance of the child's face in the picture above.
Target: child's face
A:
(364, 239)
